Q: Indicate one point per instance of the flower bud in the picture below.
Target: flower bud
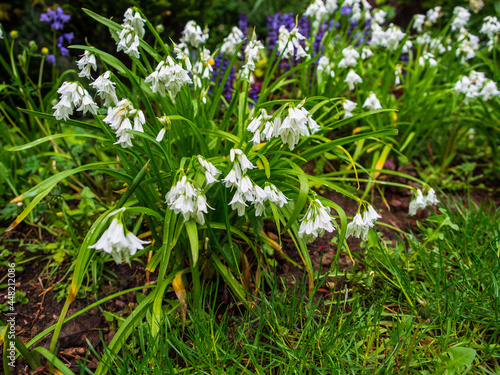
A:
(160, 28)
(33, 46)
(14, 34)
(45, 50)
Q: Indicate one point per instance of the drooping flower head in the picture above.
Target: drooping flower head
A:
(168, 76)
(316, 221)
(119, 242)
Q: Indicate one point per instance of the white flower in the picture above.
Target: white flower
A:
(69, 98)
(467, 45)
(490, 27)
(119, 119)
(349, 106)
(298, 122)
(211, 172)
(489, 90)
(193, 35)
(407, 47)
(378, 16)
(324, 67)
(393, 36)
(366, 53)
(135, 21)
(252, 52)
(168, 76)
(427, 57)
(370, 216)
(417, 203)
(357, 227)
(316, 11)
(431, 198)
(350, 57)
(360, 225)
(418, 22)
(129, 41)
(73, 95)
(87, 104)
(352, 78)
(476, 85)
(86, 63)
(105, 89)
(202, 68)
(121, 246)
(398, 74)
(274, 195)
(188, 200)
(461, 18)
(433, 14)
(331, 6)
(238, 157)
(160, 135)
(315, 222)
(372, 103)
(288, 40)
(232, 41)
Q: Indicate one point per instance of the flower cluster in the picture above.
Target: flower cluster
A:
(232, 41)
(461, 17)
(325, 67)
(118, 242)
(372, 103)
(299, 122)
(73, 95)
(211, 172)
(289, 41)
(133, 29)
(360, 225)
(86, 63)
(106, 89)
(389, 38)
(316, 221)
(188, 200)
(476, 85)
(352, 78)
(56, 18)
(193, 35)
(419, 202)
(252, 53)
(168, 76)
(120, 119)
(350, 58)
(490, 27)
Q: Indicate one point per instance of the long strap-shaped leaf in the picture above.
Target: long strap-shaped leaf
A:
(55, 136)
(302, 197)
(49, 117)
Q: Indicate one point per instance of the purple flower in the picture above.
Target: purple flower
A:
(51, 59)
(64, 50)
(345, 11)
(56, 18)
(69, 37)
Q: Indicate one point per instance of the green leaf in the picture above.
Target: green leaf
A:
(459, 359)
(192, 232)
(49, 117)
(301, 199)
(55, 136)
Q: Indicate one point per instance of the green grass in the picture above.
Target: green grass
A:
(423, 307)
